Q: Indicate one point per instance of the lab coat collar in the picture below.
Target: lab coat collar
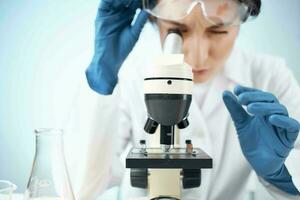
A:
(237, 69)
(235, 72)
(213, 100)
(231, 75)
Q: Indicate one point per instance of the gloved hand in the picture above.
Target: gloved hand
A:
(266, 133)
(115, 38)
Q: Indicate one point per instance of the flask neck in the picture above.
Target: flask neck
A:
(49, 141)
(49, 176)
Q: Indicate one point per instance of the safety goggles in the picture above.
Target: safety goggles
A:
(216, 12)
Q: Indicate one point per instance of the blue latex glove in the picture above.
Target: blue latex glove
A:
(266, 133)
(115, 38)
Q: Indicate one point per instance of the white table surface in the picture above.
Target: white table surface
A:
(14, 197)
(17, 197)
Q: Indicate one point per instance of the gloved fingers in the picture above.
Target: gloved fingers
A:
(119, 5)
(108, 5)
(133, 4)
(291, 125)
(138, 25)
(266, 109)
(247, 98)
(237, 112)
(241, 89)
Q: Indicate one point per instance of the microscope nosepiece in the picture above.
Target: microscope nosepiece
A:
(168, 93)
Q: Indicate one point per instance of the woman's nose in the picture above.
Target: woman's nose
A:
(196, 50)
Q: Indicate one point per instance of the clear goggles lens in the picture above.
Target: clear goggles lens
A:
(217, 12)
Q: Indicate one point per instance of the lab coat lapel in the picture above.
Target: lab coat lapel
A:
(235, 72)
(198, 128)
(213, 109)
(201, 118)
(205, 121)
(213, 100)
(201, 133)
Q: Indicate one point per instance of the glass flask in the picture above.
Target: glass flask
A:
(49, 179)
(6, 190)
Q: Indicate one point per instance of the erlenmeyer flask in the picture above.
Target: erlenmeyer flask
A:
(49, 179)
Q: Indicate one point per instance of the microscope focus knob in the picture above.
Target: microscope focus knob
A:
(139, 177)
(191, 178)
(183, 124)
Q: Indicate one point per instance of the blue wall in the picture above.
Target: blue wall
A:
(46, 45)
(276, 31)
(44, 48)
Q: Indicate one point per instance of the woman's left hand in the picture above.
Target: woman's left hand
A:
(266, 133)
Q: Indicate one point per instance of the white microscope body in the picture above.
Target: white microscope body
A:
(163, 167)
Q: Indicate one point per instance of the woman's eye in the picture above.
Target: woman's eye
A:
(218, 32)
(178, 29)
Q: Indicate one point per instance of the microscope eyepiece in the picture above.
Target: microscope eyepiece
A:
(177, 31)
(173, 42)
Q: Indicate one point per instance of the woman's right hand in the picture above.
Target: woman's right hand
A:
(115, 37)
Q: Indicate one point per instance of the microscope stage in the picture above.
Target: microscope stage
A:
(176, 159)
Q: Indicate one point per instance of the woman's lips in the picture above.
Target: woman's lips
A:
(199, 71)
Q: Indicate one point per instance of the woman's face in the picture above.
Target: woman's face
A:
(206, 47)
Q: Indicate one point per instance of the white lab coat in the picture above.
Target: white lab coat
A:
(117, 121)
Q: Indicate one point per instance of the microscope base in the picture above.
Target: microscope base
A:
(166, 173)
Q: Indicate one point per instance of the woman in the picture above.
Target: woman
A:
(263, 139)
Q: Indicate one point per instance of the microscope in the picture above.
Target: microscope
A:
(162, 166)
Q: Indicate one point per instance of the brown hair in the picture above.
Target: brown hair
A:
(253, 5)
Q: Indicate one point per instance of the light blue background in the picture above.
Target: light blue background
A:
(46, 45)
